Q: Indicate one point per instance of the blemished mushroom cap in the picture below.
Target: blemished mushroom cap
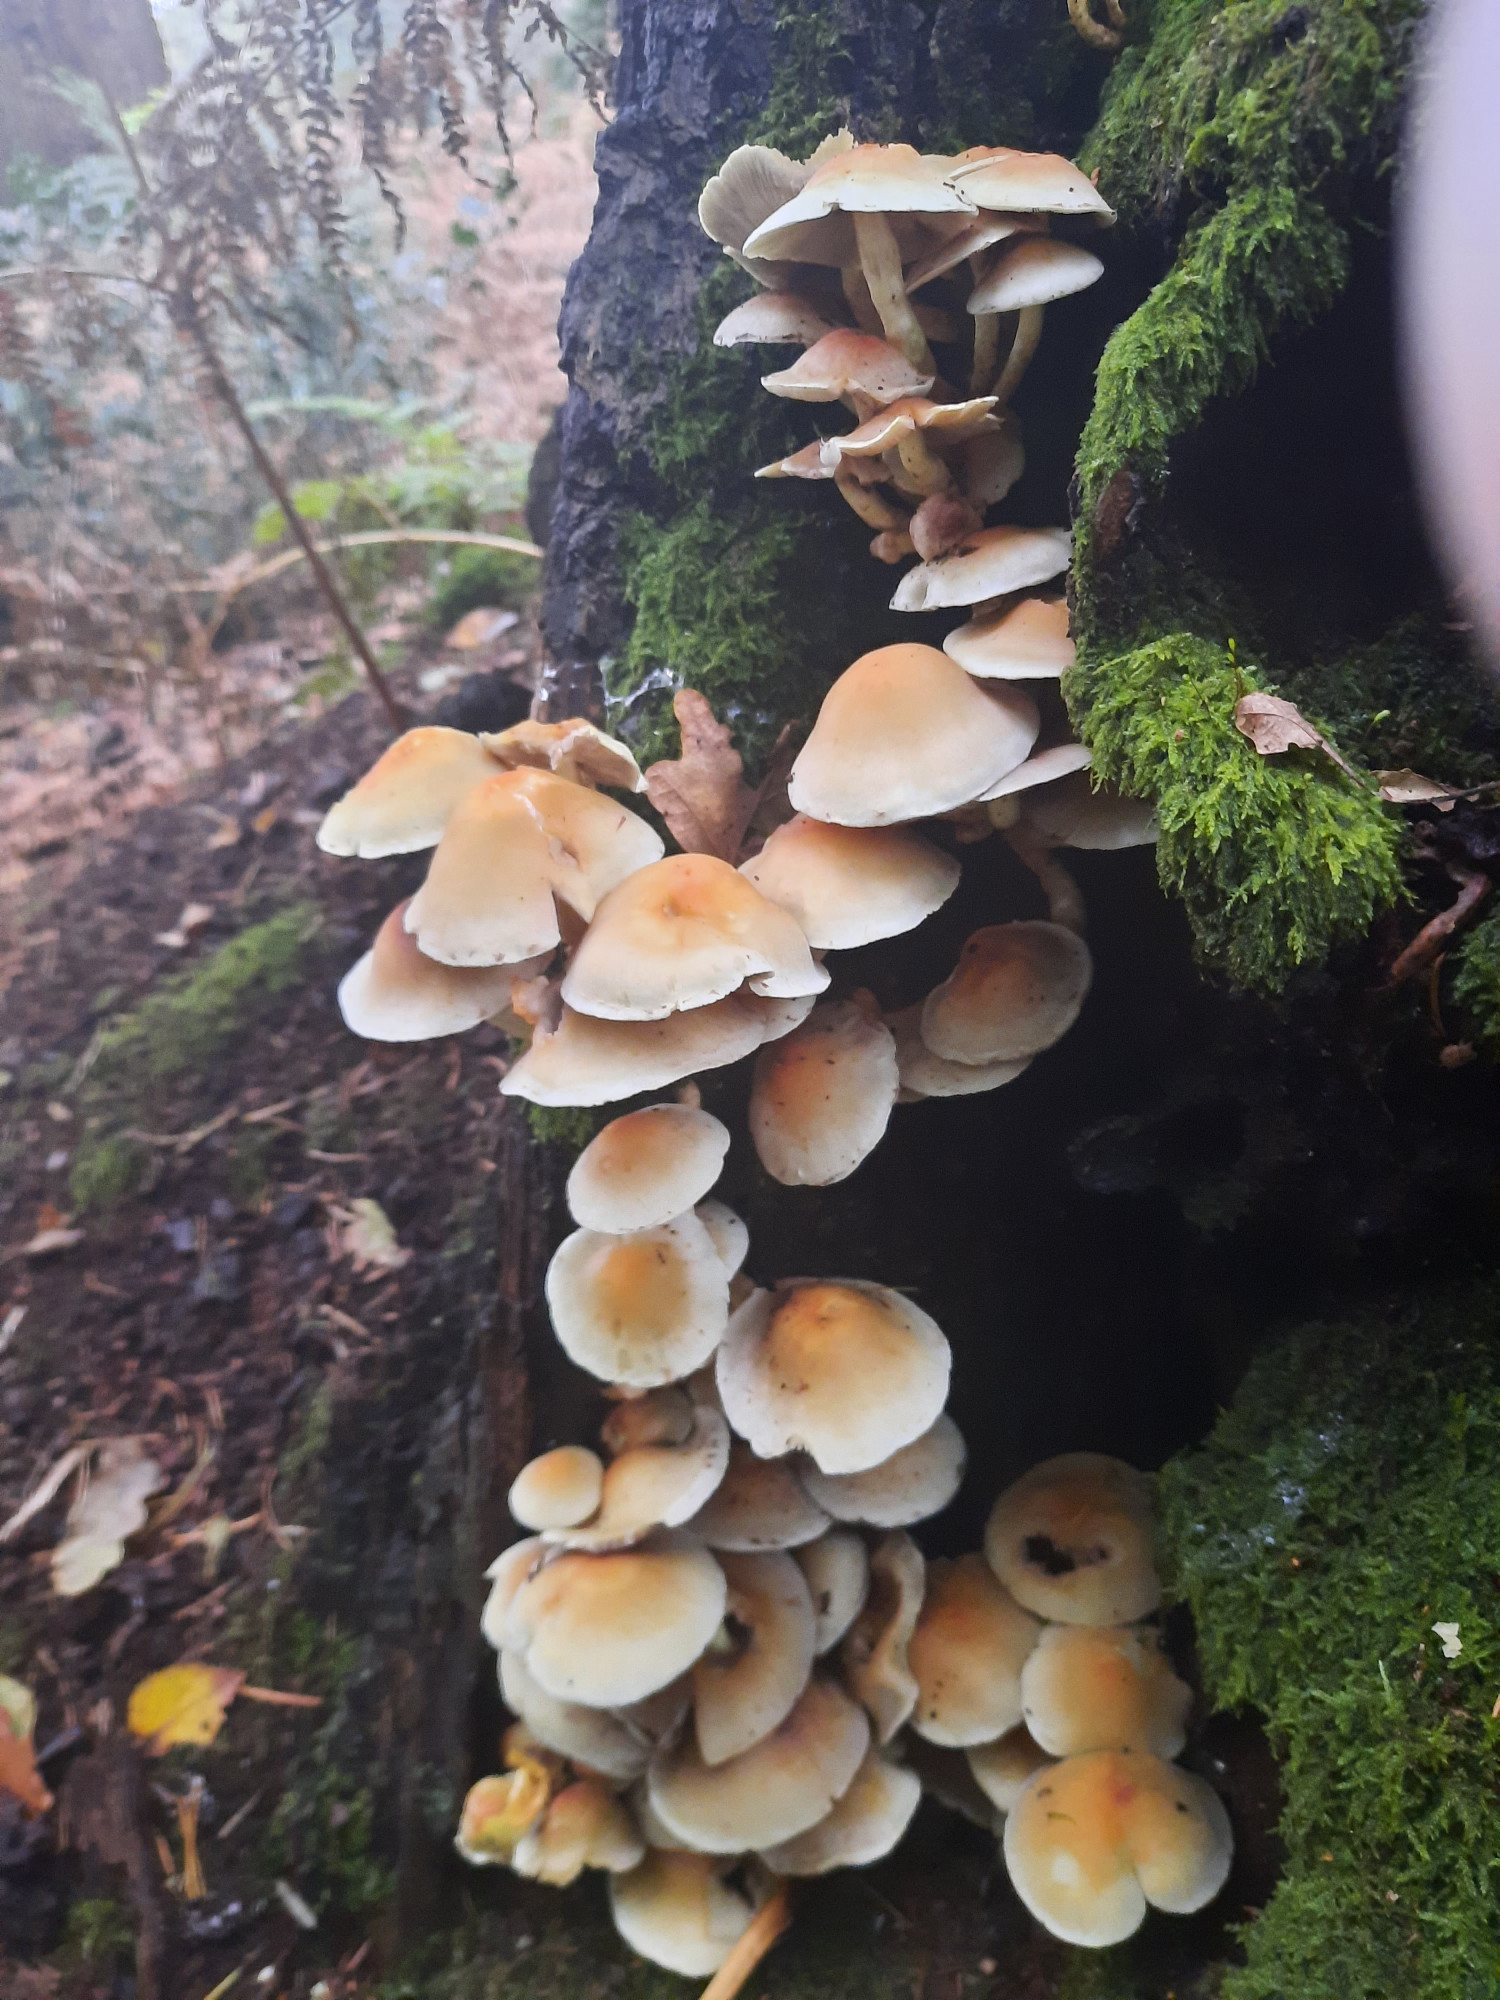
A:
(585, 1826)
(752, 1676)
(497, 1814)
(980, 234)
(605, 1630)
(593, 1737)
(397, 994)
(653, 1486)
(1092, 1840)
(730, 1234)
(912, 1485)
(651, 1416)
(846, 363)
(837, 1568)
(811, 462)
(1027, 641)
(875, 1653)
(967, 1652)
(902, 734)
(505, 1575)
(646, 1167)
(1071, 1541)
(1078, 813)
(925, 1075)
(403, 801)
(1034, 272)
(1003, 1769)
(1104, 1688)
(587, 1061)
(779, 1787)
(864, 1826)
(557, 1490)
(845, 1370)
(677, 1910)
(945, 424)
(785, 318)
(760, 1504)
(573, 749)
(681, 934)
(822, 1096)
(1043, 767)
(1035, 183)
(511, 845)
(1017, 989)
(811, 227)
(852, 885)
(989, 563)
(642, 1309)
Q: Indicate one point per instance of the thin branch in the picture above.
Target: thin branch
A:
(1472, 889)
(366, 539)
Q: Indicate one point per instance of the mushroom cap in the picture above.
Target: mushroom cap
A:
(497, 1813)
(403, 801)
(779, 1787)
(557, 1490)
(1071, 1540)
(980, 233)
(946, 1777)
(925, 1075)
(729, 1232)
(1027, 641)
(846, 363)
(606, 1630)
(646, 1167)
(1043, 767)
(588, 1061)
(395, 993)
(1092, 1840)
(1078, 813)
(511, 844)
(852, 885)
(676, 1910)
(837, 1568)
(594, 1737)
(505, 1575)
(642, 1309)
(1003, 1769)
(810, 462)
(991, 463)
(752, 184)
(845, 1370)
(822, 1096)
(903, 733)
(968, 1650)
(1034, 272)
(912, 1485)
(895, 181)
(1017, 989)
(875, 1654)
(585, 1826)
(988, 563)
(680, 934)
(1035, 183)
(1104, 1688)
(748, 1683)
(863, 1827)
(782, 317)
(654, 1416)
(946, 424)
(573, 748)
(653, 1486)
(760, 1504)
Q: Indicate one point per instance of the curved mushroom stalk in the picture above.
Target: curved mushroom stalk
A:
(892, 546)
(857, 297)
(1028, 333)
(924, 470)
(880, 260)
(872, 507)
(1065, 903)
(1095, 33)
(986, 353)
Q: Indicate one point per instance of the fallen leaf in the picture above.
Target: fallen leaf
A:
(480, 627)
(702, 795)
(1274, 726)
(184, 1704)
(18, 1772)
(193, 918)
(368, 1237)
(1410, 788)
(46, 1241)
(44, 1489)
(111, 1508)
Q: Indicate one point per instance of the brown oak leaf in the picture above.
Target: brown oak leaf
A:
(1409, 788)
(702, 795)
(1274, 725)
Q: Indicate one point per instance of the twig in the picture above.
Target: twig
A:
(368, 538)
(51, 1483)
(279, 1698)
(182, 1142)
(1473, 888)
(765, 1928)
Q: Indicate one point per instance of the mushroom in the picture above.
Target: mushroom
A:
(968, 1651)
(594, 1737)
(875, 1653)
(946, 1777)
(1003, 1769)
(511, 846)
(1043, 767)
(760, 1504)
(863, 1827)
(752, 1675)
(1021, 642)
(780, 1787)
(557, 1490)
(1071, 1540)
(910, 434)
(821, 1097)
(505, 1575)
(653, 1486)
(728, 1233)
(395, 993)
(902, 734)
(752, 184)
(845, 1370)
(972, 239)
(1017, 989)
(1025, 280)
(497, 1814)
(574, 749)
(588, 1061)
(585, 1826)
(989, 564)
(679, 1911)
(1104, 1688)
(403, 801)
(1092, 1841)
(912, 1485)
(1002, 179)
(606, 1630)
(651, 1416)
(851, 885)
(680, 934)
(1078, 813)
(837, 1568)
(925, 1075)
(990, 464)
(642, 1309)
(646, 1167)
(859, 369)
(783, 318)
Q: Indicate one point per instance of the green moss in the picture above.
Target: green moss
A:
(98, 1933)
(1476, 984)
(480, 576)
(107, 1169)
(567, 1128)
(1352, 1486)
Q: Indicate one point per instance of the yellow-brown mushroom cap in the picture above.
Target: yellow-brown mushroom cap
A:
(573, 749)
(851, 885)
(585, 1826)
(970, 1645)
(588, 1061)
(597, 1738)
(1033, 272)
(822, 1096)
(403, 801)
(782, 318)
(505, 1575)
(751, 1677)
(395, 993)
(989, 563)
(912, 1485)
(876, 1649)
(1040, 183)
(557, 1490)
(863, 1827)
(1104, 1688)
(945, 425)
(1017, 989)
(924, 1074)
(898, 182)
(1025, 641)
(677, 1910)
(846, 363)
(652, 1486)
(760, 1504)
(1003, 1769)
(1071, 1541)
(837, 1568)
(646, 1167)
(1077, 813)
(642, 1309)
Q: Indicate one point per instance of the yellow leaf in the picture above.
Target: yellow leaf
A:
(18, 1772)
(183, 1704)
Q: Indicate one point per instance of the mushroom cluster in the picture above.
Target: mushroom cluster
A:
(916, 284)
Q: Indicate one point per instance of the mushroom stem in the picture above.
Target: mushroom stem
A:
(857, 296)
(880, 259)
(767, 1925)
(892, 546)
(922, 465)
(1065, 904)
(868, 504)
(1093, 32)
(1028, 333)
(986, 353)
